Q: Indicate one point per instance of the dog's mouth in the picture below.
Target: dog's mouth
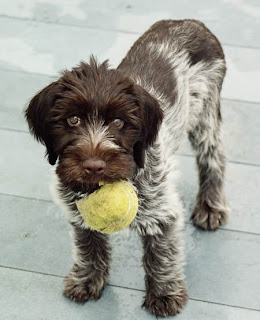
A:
(73, 174)
(108, 176)
(89, 186)
(93, 187)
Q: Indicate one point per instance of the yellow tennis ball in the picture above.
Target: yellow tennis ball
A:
(111, 208)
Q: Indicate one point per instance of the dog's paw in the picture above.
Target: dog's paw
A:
(82, 291)
(164, 306)
(208, 218)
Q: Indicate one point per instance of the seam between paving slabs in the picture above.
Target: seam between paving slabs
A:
(241, 101)
(60, 23)
(3, 16)
(177, 154)
(228, 160)
(52, 76)
(24, 197)
(56, 76)
(13, 130)
(224, 229)
(123, 287)
(186, 222)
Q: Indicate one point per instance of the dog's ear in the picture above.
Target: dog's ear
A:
(139, 154)
(37, 117)
(151, 118)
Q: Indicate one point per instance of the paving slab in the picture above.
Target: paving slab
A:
(16, 90)
(240, 132)
(38, 236)
(243, 68)
(242, 185)
(224, 17)
(23, 169)
(39, 297)
(26, 46)
(222, 266)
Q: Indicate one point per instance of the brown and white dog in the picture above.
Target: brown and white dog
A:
(102, 124)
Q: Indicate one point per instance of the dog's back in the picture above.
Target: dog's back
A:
(162, 47)
(182, 64)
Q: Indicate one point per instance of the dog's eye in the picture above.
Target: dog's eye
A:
(73, 121)
(118, 123)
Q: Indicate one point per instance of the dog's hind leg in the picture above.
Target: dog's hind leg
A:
(210, 210)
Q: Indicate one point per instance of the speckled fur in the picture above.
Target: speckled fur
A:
(191, 106)
(181, 64)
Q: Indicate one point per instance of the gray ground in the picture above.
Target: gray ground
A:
(40, 37)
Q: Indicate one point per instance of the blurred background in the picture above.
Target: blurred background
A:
(38, 38)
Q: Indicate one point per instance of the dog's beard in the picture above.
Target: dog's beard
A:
(119, 166)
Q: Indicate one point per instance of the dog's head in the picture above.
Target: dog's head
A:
(96, 122)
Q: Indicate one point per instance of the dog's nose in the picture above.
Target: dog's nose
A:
(93, 166)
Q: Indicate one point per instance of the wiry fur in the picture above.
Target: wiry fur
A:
(89, 273)
(174, 73)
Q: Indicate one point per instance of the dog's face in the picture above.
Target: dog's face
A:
(96, 122)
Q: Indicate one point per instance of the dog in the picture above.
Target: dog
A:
(104, 124)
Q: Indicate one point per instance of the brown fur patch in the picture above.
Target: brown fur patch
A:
(95, 94)
(165, 306)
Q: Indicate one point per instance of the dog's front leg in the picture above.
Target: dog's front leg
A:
(165, 287)
(90, 271)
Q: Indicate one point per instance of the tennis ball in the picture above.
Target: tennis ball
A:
(111, 208)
